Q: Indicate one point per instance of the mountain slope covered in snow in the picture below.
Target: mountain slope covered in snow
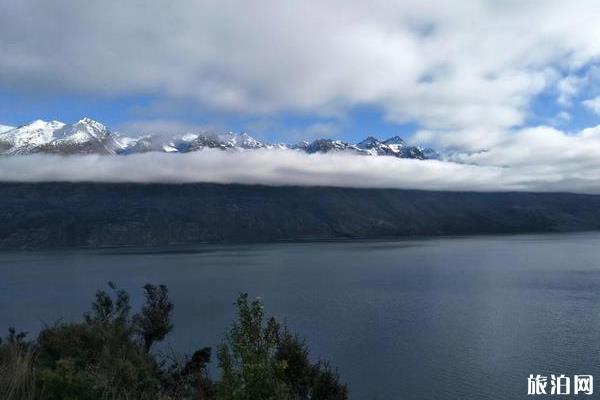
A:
(5, 128)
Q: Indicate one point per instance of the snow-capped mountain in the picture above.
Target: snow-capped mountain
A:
(227, 141)
(193, 142)
(377, 148)
(24, 139)
(91, 137)
(396, 146)
(83, 137)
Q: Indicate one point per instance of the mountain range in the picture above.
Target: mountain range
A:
(87, 136)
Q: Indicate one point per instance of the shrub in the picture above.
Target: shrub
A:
(247, 359)
(100, 357)
(306, 380)
(154, 322)
(107, 356)
(259, 360)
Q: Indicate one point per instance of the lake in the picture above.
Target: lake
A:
(442, 318)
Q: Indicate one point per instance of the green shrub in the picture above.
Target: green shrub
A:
(247, 359)
(259, 360)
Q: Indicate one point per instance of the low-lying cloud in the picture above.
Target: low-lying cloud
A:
(286, 167)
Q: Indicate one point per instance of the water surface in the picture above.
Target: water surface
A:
(444, 318)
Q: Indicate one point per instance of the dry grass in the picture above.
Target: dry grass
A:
(17, 374)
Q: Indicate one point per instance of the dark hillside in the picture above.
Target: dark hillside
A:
(86, 214)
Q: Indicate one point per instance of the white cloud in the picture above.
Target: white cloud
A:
(284, 167)
(569, 87)
(593, 104)
(546, 158)
(469, 66)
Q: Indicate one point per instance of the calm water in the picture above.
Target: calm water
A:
(451, 318)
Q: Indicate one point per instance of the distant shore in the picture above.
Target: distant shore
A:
(50, 215)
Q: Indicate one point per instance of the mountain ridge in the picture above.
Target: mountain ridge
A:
(88, 136)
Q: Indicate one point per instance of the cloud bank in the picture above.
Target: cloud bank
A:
(257, 167)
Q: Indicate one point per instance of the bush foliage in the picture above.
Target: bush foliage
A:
(107, 356)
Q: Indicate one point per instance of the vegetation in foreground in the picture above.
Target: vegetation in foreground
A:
(107, 356)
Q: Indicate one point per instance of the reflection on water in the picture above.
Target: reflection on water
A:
(432, 318)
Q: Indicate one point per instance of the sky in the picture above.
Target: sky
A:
(496, 83)
(444, 72)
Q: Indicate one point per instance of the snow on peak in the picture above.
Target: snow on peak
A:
(243, 141)
(248, 142)
(26, 137)
(36, 124)
(82, 131)
(84, 136)
(40, 124)
(6, 128)
(91, 127)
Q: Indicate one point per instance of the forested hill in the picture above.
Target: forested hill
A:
(86, 214)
